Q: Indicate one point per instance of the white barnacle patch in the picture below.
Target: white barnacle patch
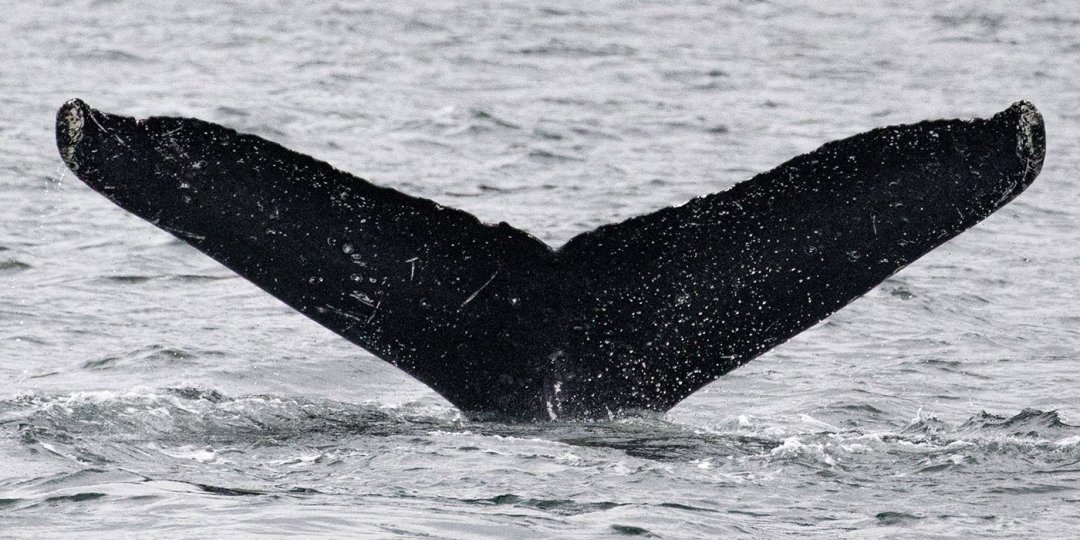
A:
(73, 123)
(1026, 146)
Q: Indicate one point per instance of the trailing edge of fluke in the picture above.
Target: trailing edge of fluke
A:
(631, 316)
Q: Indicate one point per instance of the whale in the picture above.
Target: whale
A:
(628, 318)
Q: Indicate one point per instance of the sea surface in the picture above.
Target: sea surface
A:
(146, 391)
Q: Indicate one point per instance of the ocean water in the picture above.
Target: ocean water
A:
(147, 391)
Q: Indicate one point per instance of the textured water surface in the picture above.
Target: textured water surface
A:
(147, 390)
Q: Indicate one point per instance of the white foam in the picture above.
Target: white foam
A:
(1069, 441)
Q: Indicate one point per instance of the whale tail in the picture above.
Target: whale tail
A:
(634, 315)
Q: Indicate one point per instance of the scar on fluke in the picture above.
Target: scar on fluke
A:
(473, 295)
(631, 316)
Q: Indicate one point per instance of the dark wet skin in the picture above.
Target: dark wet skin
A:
(632, 316)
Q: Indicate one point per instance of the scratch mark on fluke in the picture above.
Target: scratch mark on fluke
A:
(473, 295)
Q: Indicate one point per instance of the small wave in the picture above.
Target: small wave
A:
(860, 408)
(76, 497)
(925, 425)
(128, 279)
(231, 112)
(491, 118)
(547, 155)
(230, 492)
(557, 47)
(547, 134)
(632, 530)
(505, 189)
(109, 55)
(192, 393)
(1031, 423)
(92, 485)
(453, 120)
(901, 292)
(154, 355)
(1031, 489)
(565, 507)
(52, 501)
(12, 266)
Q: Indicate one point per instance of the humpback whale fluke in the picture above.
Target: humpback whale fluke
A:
(634, 315)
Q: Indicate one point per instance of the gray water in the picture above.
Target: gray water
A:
(147, 391)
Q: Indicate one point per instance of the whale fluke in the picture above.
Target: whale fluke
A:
(630, 316)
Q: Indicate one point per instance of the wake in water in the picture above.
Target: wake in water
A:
(182, 448)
